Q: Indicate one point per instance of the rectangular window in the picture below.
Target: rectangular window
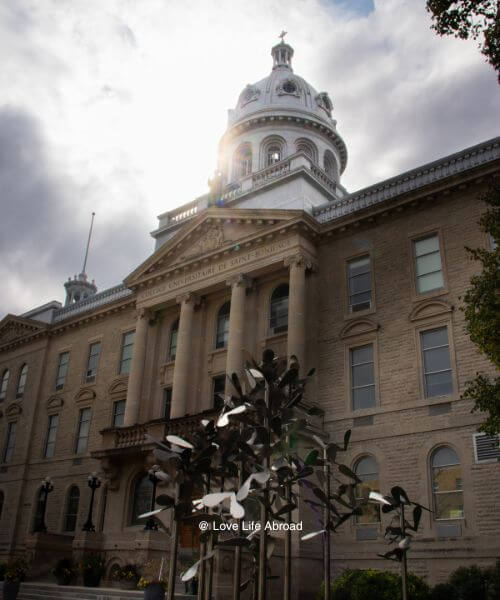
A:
(218, 388)
(82, 436)
(50, 441)
(360, 284)
(362, 377)
(10, 442)
(428, 264)
(126, 354)
(93, 361)
(118, 413)
(436, 362)
(167, 402)
(62, 370)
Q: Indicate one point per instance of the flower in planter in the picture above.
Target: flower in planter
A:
(16, 569)
(64, 570)
(128, 573)
(93, 562)
(144, 583)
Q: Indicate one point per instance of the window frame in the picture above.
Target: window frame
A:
(139, 477)
(123, 345)
(238, 162)
(10, 442)
(214, 379)
(115, 414)
(175, 324)
(67, 506)
(47, 436)
(167, 394)
(350, 343)
(91, 378)
(349, 313)
(412, 239)
(282, 330)
(351, 379)
(431, 326)
(78, 427)
(355, 464)
(22, 380)
(4, 384)
(217, 345)
(431, 486)
(60, 386)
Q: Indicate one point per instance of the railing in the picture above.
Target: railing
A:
(104, 297)
(323, 177)
(271, 172)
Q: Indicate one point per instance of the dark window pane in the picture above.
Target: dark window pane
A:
(218, 386)
(222, 333)
(363, 354)
(143, 491)
(118, 413)
(438, 384)
(449, 505)
(279, 309)
(444, 456)
(72, 509)
(167, 402)
(363, 397)
(362, 375)
(436, 359)
(435, 337)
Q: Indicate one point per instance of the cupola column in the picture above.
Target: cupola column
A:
(183, 355)
(135, 377)
(234, 362)
(297, 307)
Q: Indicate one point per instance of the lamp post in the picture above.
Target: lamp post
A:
(151, 524)
(94, 482)
(46, 488)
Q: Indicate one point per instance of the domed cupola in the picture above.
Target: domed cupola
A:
(277, 117)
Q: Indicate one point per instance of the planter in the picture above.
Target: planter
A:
(91, 579)
(154, 591)
(128, 584)
(10, 589)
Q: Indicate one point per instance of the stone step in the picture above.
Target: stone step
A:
(48, 591)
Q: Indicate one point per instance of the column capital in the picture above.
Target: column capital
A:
(240, 280)
(188, 298)
(300, 260)
(144, 313)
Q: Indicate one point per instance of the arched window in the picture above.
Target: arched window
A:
(278, 321)
(307, 147)
(21, 382)
(4, 384)
(142, 490)
(72, 503)
(273, 155)
(366, 469)
(37, 521)
(242, 162)
(272, 151)
(222, 332)
(330, 165)
(447, 490)
(2, 498)
(172, 342)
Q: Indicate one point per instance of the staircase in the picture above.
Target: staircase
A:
(49, 591)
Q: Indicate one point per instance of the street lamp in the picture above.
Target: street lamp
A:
(46, 488)
(94, 482)
(151, 524)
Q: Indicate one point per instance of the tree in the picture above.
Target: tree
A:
(470, 19)
(482, 314)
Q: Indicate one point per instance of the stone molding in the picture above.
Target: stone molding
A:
(85, 394)
(188, 297)
(54, 402)
(358, 326)
(300, 260)
(13, 410)
(118, 387)
(241, 280)
(430, 308)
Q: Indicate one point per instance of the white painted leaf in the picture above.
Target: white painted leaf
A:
(378, 498)
(174, 439)
(236, 509)
(256, 374)
(224, 419)
(404, 544)
(211, 500)
(320, 442)
(151, 513)
(244, 489)
(205, 422)
(261, 477)
(162, 475)
(191, 572)
(251, 379)
(309, 536)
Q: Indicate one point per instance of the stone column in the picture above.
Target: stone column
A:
(136, 374)
(234, 361)
(183, 357)
(297, 307)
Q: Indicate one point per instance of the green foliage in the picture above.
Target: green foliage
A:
(471, 583)
(356, 584)
(94, 563)
(482, 314)
(444, 591)
(466, 19)
(16, 569)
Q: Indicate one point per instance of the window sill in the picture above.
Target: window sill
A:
(217, 351)
(433, 294)
(360, 313)
(274, 337)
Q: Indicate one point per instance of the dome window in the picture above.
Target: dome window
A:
(330, 165)
(242, 162)
(308, 148)
(272, 151)
(273, 155)
(288, 87)
(324, 102)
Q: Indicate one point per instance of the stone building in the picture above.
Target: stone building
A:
(364, 286)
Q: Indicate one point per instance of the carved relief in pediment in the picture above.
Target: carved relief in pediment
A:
(430, 308)
(54, 402)
(13, 410)
(85, 395)
(358, 327)
(118, 387)
(212, 239)
(12, 328)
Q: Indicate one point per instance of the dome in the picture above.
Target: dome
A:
(282, 92)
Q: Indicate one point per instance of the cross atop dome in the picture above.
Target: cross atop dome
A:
(282, 54)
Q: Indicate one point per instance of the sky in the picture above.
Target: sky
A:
(117, 107)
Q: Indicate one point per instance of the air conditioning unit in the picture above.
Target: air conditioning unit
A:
(486, 449)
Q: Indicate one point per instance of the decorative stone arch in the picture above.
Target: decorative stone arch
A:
(13, 410)
(115, 562)
(308, 147)
(118, 387)
(358, 327)
(330, 165)
(242, 161)
(85, 395)
(430, 308)
(54, 402)
(272, 145)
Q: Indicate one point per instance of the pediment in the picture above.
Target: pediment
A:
(118, 387)
(13, 410)
(85, 394)
(13, 328)
(214, 232)
(54, 402)
(358, 327)
(430, 308)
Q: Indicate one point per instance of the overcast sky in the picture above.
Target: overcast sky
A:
(117, 106)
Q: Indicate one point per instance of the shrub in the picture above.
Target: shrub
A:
(444, 591)
(471, 583)
(93, 563)
(16, 569)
